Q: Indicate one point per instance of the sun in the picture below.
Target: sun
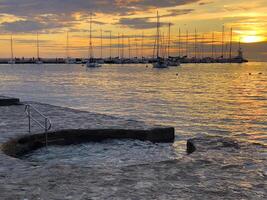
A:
(252, 39)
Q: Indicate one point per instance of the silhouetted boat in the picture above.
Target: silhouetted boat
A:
(38, 61)
(11, 61)
(91, 63)
(160, 62)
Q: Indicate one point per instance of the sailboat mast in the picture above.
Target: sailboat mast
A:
(122, 46)
(223, 41)
(202, 45)
(67, 46)
(179, 43)
(129, 44)
(195, 43)
(212, 45)
(11, 46)
(38, 52)
(142, 45)
(110, 44)
(90, 39)
(231, 43)
(136, 46)
(169, 39)
(158, 32)
(101, 41)
(118, 46)
(186, 48)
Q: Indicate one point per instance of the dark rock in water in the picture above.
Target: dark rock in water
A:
(190, 147)
(230, 143)
(206, 143)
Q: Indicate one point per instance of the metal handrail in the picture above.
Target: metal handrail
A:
(47, 124)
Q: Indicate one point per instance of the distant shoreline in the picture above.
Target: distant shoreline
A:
(117, 60)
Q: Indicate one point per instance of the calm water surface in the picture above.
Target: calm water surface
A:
(214, 99)
(220, 99)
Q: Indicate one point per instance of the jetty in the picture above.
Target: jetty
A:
(67, 126)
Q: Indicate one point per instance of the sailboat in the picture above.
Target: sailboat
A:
(91, 63)
(38, 61)
(11, 61)
(160, 62)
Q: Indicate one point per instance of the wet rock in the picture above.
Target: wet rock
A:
(190, 147)
(206, 143)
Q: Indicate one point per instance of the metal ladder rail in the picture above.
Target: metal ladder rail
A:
(47, 124)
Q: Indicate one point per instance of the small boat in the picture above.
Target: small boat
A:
(70, 61)
(173, 63)
(11, 62)
(39, 62)
(91, 63)
(160, 62)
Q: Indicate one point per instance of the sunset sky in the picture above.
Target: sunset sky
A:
(52, 19)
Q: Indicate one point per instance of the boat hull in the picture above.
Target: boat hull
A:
(160, 65)
(92, 65)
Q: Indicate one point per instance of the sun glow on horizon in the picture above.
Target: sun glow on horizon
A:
(252, 39)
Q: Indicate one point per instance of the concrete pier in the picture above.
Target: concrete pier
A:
(71, 126)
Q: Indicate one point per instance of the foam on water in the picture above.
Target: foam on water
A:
(215, 99)
(113, 153)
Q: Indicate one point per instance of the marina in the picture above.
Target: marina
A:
(165, 51)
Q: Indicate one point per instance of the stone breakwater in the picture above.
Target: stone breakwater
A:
(215, 168)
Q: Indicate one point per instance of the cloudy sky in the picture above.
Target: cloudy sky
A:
(135, 20)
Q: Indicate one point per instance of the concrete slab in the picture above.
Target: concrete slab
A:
(8, 101)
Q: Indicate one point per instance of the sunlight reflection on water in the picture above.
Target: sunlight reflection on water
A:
(217, 99)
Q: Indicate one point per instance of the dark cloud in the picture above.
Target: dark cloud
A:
(205, 3)
(146, 23)
(177, 12)
(50, 14)
(139, 23)
(27, 26)
(160, 4)
(36, 7)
